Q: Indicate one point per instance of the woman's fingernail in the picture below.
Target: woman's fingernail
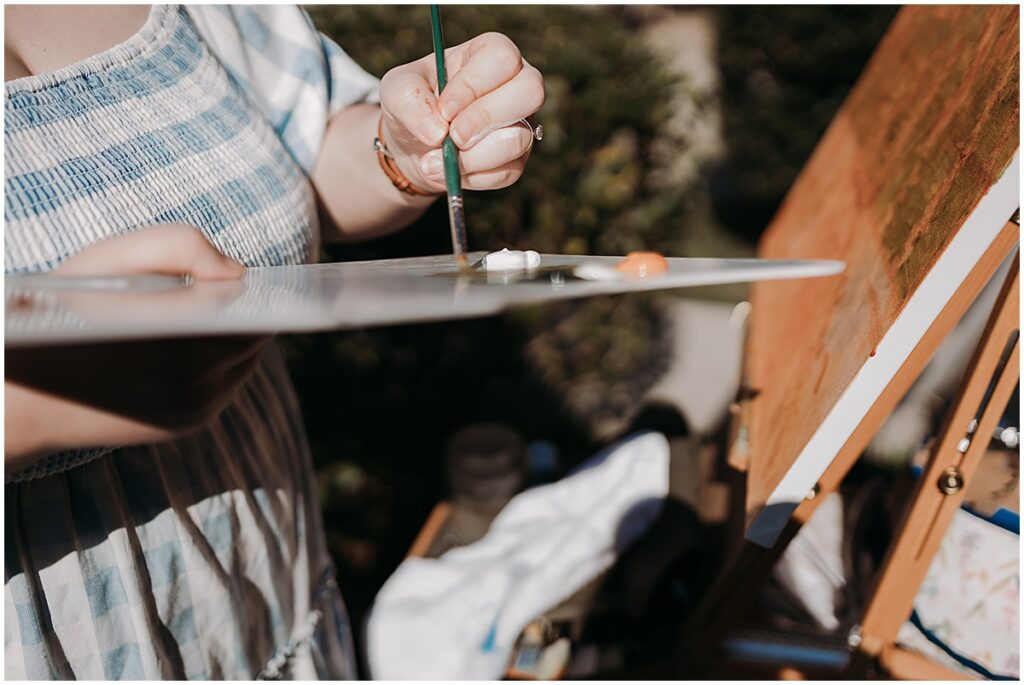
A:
(432, 129)
(449, 109)
(461, 133)
(431, 164)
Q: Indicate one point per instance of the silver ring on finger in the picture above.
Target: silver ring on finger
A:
(537, 132)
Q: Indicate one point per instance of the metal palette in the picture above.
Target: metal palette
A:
(41, 309)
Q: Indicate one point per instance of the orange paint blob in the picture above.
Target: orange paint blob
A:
(642, 265)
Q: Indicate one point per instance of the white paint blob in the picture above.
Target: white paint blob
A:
(511, 260)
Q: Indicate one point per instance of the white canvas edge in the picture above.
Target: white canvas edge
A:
(950, 270)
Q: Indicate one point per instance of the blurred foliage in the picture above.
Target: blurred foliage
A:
(380, 404)
(785, 71)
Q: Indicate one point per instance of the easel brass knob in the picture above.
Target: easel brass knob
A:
(951, 481)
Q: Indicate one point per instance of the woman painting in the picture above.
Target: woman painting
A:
(161, 519)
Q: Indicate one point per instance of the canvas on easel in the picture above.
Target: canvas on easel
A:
(910, 185)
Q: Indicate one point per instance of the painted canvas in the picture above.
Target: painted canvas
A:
(910, 184)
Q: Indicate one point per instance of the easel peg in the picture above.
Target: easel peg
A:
(951, 481)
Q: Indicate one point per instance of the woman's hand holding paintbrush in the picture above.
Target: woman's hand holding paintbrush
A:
(490, 89)
(369, 190)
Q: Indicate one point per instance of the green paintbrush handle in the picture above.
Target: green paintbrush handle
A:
(452, 179)
(452, 176)
(435, 26)
(450, 152)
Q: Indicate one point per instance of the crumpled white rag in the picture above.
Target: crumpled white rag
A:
(458, 616)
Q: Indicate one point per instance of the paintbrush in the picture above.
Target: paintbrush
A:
(452, 177)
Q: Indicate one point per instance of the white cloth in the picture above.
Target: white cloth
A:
(812, 566)
(970, 599)
(458, 616)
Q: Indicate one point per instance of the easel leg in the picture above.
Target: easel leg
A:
(987, 387)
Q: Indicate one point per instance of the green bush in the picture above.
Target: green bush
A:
(785, 71)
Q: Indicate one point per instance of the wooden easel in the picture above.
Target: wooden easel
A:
(986, 388)
(840, 156)
(996, 361)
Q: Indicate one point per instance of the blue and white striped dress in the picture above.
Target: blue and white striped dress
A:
(203, 557)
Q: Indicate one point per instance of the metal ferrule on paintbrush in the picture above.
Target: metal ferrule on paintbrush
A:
(457, 219)
(452, 176)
